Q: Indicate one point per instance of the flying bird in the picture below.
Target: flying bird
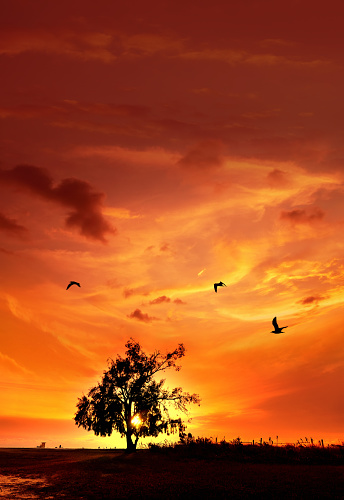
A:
(218, 284)
(73, 283)
(276, 327)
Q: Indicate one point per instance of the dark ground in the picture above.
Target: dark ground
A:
(111, 474)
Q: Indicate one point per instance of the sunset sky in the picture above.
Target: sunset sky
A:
(152, 148)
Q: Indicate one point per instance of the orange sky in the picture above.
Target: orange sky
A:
(150, 149)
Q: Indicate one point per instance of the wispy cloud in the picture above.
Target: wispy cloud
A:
(85, 46)
(149, 44)
(301, 216)
(241, 56)
(67, 107)
(159, 300)
(18, 310)
(165, 299)
(149, 157)
(207, 154)
(11, 227)
(12, 365)
(140, 290)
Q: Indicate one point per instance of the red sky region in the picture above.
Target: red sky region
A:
(149, 151)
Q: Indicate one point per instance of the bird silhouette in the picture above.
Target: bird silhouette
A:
(73, 283)
(218, 284)
(276, 327)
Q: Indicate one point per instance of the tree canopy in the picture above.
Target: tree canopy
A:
(131, 401)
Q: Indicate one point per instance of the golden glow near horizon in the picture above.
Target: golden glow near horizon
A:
(148, 167)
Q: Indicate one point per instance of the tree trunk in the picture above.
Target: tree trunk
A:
(130, 445)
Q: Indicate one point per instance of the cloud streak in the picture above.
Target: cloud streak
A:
(84, 203)
(114, 45)
(85, 46)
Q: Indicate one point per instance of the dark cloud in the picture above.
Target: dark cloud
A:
(84, 203)
(277, 178)
(11, 227)
(206, 154)
(161, 299)
(312, 299)
(127, 292)
(164, 247)
(179, 301)
(300, 216)
(138, 314)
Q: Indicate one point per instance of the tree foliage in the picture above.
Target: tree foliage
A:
(128, 389)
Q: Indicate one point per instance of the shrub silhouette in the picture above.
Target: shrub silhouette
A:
(237, 451)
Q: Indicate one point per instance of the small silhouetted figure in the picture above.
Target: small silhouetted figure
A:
(276, 327)
(218, 284)
(72, 283)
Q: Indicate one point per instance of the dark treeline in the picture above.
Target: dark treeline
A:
(238, 451)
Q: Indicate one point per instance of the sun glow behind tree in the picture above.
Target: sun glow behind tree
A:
(136, 420)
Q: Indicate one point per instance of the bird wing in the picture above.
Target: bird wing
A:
(77, 284)
(215, 287)
(274, 322)
(68, 286)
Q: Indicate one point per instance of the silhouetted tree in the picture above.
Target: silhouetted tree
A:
(130, 401)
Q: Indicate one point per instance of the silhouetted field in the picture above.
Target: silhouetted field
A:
(202, 469)
(248, 453)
